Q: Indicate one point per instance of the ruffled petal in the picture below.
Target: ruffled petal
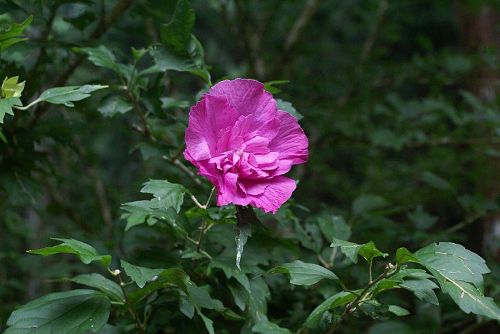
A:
(291, 142)
(276, 192)
(207, 120)
(249, 97)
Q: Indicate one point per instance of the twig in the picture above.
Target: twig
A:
(293, 36)
(298, 27)
(362, 296)
(383, 5)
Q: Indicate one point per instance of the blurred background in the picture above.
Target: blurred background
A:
(400, 103)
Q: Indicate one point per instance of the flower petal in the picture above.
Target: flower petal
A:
(207, 119)
(290, 142)
(249, 97)
(277, 191)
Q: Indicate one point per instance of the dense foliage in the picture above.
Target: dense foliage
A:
(382, 235)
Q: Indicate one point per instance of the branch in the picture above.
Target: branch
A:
(302, 21)
(104, 24)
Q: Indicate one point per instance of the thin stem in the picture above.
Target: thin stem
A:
(351, 307)
(370, 271)
(28, 106)
(200, 237)
(198, 204)
(210, 197)
(134, 316)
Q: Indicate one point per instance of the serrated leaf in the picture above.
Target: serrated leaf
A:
(108, 287)
(423, 289)
(267, 327)
(165, 279)
(176, 34)
(470, 299)
(453, 261)
(85, 252)
(350, 249)
(14, 34)
(302, 273)
(459, 272)
(68, 95)
(403, 255)
(200, 297)
(167, 195)
(140, 275)
(103, 57)
(114, 105)
(6, 106)
(100, 56)
(76, 311)
(180, 50)
(288, 107)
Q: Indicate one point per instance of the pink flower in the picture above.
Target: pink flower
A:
(243, 144)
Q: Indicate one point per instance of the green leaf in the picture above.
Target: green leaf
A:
(302, 273)
(167, 195)
(367, 203)
(350, 249)
(11, 88)
(470, 299)
(270, 85)
(114, 105)
(453, 262)
(209, 324)
(86, 252)
(334, 227)
(140, 275)
(435, 181)
(100, 56)
(339, 299)
(108, 287)
(267, 327)
(170, 103)
(165, 279)
(459, 272)
(423, 289)
(369, 251)
(176, 34)
(200, 297)
(2, 137)
(103, 57)
(180, 50)
(403, 255)
(398, 310)
(165, 60)
(288, 107)
(76, 311)
(14, 34)
(6, 106)
(68, 95)
(421, 219)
